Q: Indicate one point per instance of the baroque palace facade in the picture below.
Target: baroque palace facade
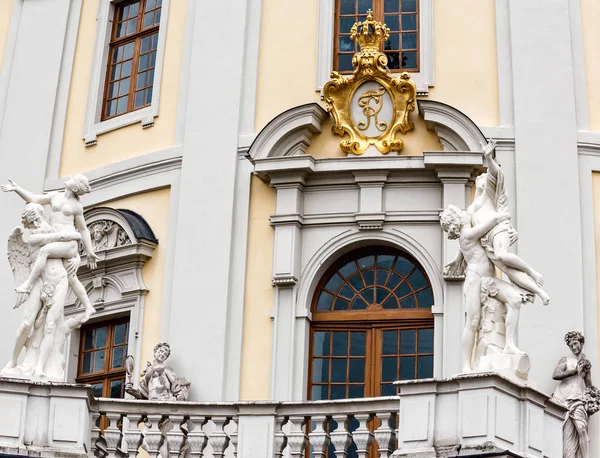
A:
(281, 229)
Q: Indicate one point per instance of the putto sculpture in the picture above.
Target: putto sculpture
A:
(484, 235)
(576, 393)
(158, 382)
(44, 258)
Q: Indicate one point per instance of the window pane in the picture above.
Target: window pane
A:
(409, 41)
(151, 77)
(382, 276)
(117, 357)
(393, 42)
(341, 304)
(115, 72)
(409, 22)
(425, 298)
(388, 390)
(407, 368)
(319, 392)
(391, 6)
(390, 343)
(98, 360)
(364, 5)
(407, 342)
(88, 342)
(131, 26)
(150, 4)
(358, 343)
(97, 390)
(391, 303)
(338, 370)
(425, 341)
(321, 343)
(385, 261)
(381, 295)
(334, 283)
(408, 302)
(392, 21)
(112, 92)
(320, 370)
(348, 269)
(141, 80)
(393, 281)
(357, 282)
(416, 279)
(356, 391)
(347, 292)
(393, 60)
(340, 344)
(116, 388)
(369, 277)
(143, 63)
(148, 96)
(409, 6)
(348, 6)
(324, 302)
(357, 370)
(345, 62)
(86, 367)
(121, 29)
(122, 105)
(367, 261)
(368, 295)
(346, 44)
(124, 87)
(148, 19)
(403, 266)
(146, 44)
(121, 333)
(157, 16)
(358, 304)
(389, 369)
(111, 108)
(126, 68)
(100, 337)
(338, 392)
(425, 367)
(346, 24)
(134, 9)
(139, 99)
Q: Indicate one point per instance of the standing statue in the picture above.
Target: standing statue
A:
(576, 393)
(159, 382)
(44, 260)
(485, 234)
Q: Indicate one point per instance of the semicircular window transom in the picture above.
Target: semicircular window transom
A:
(383, 279)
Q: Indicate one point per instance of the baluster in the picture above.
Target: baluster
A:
(175, 436)
(98, 442)
(385, 435)
(280, 437)
(341, 438)
(233, 438)
(132, 436)
(112, 434)
(219, 440)
(319, 438)
(196, 438)
(297, 439)
(363, 437)
(153, 436)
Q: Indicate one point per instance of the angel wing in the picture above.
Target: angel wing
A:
(19, 256)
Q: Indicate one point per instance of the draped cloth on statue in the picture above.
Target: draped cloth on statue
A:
(575, 433)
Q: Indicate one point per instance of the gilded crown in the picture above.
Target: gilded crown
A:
(369, 34)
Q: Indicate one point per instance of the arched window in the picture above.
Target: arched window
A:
(372, 325)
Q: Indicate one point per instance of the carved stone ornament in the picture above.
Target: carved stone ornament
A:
(371, 106)
(107, 234)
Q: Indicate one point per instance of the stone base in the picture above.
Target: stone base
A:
(514, 367)
(44, 419)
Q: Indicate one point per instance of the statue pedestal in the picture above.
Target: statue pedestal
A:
(514, 367)
(44, 419)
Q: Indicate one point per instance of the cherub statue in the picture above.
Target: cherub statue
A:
(66, 218)
(575, 392)
(159, 382)
(44, 328)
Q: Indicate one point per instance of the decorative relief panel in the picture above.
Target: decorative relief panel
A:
(371, 106)
(106, 234)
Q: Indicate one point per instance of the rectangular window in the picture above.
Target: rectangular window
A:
(132, 57)
(400, 16)
(102, 353)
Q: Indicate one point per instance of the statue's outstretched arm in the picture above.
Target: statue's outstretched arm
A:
(26, 195)
(488, 151)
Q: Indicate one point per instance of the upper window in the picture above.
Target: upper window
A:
(132, 57)
(400, 16)
(102, 353)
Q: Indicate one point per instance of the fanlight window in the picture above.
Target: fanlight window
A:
(384, 281)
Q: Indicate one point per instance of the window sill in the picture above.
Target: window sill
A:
(145, 116)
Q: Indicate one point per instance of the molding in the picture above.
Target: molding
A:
(456, 131)
(504, 58)
(325, 35)
(289, 133)
(578, 62)
(93, 126)
(9, 54)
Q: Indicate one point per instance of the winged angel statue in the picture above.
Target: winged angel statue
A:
(44, 259)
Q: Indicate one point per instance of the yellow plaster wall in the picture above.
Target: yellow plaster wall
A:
(256, 348)
(590, 16)
(5, 12)
(465, 61)
(130, 141)
(154, 207)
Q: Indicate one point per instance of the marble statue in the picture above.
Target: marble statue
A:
(44, 328)
(159, 382)
(576, 393)
(484, 233)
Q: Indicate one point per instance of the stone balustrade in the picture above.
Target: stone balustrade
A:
(461, 416)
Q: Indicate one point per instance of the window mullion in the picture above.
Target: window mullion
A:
(134, 72)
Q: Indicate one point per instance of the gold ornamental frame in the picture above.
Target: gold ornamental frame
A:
(370, 64)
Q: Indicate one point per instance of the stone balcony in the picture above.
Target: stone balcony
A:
(475, 415)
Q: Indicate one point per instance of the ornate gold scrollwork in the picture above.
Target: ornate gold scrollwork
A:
(370, 64)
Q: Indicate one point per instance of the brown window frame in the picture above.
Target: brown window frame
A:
(378, 15)
(114, 44)
(108, 374)
(374, 321)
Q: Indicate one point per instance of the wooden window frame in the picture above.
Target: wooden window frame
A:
(108, 374)
(115, 42)
(378, 15)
